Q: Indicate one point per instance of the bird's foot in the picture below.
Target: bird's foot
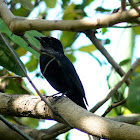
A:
(59, 97)
(54, 95)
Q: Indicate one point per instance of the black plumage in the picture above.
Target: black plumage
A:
(59, 71)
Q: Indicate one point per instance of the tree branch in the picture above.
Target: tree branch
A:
(134, 6)
(91, 35)
(15, 128)
(29, 44)
(112, 90)
(113, 106)
(43, 134)
(56, 129)
(19, 25)
(123, 5)
(33, 106)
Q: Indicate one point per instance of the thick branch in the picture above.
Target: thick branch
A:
(18, 25)
(35, 134)
(24, 105)
(27, 105)
(55, 130)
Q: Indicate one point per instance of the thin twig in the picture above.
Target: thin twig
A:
(29, 44)
(15, 128)
(113, 106)
(18, 121)
(123, 5)
(112, 90)
(25, 73)
(95, 58)
(91, 35)
(134, 6)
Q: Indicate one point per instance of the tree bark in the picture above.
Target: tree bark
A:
(33, 106)
(19, 25)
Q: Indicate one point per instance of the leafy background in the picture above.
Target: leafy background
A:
(125, 46)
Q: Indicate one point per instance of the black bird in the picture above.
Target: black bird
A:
(59, 71)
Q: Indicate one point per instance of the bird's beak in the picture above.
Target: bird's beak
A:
(38, 38)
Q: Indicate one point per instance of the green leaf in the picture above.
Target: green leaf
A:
(69, 13)
(137, 30)
(50, 3)
(124, 62)
(102, 10)
(67, 38)
(31, 122)
(65, 3)
(19, 41)
(133, 100)
(104, 30)
(26, 4)
(31, 65)
(87, 2)
(112, 112)
(30, 36)
(17, 86)
(20, 11)
(107, 41)
(8, 62)
(138, 69)
(21, 51)
(4, 28)
(73, 12)
(71, 57)
(88, 48)
(67, 136)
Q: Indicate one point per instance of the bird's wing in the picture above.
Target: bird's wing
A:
(70, 71)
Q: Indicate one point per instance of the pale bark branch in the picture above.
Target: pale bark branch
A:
(19, 25)
(56, 129)
(33, 106)
(25, 106)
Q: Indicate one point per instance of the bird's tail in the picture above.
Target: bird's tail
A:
(78, 99)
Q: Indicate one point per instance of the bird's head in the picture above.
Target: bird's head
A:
(50, 44)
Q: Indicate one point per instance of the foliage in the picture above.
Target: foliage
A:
(69, 11)
(133, 99)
